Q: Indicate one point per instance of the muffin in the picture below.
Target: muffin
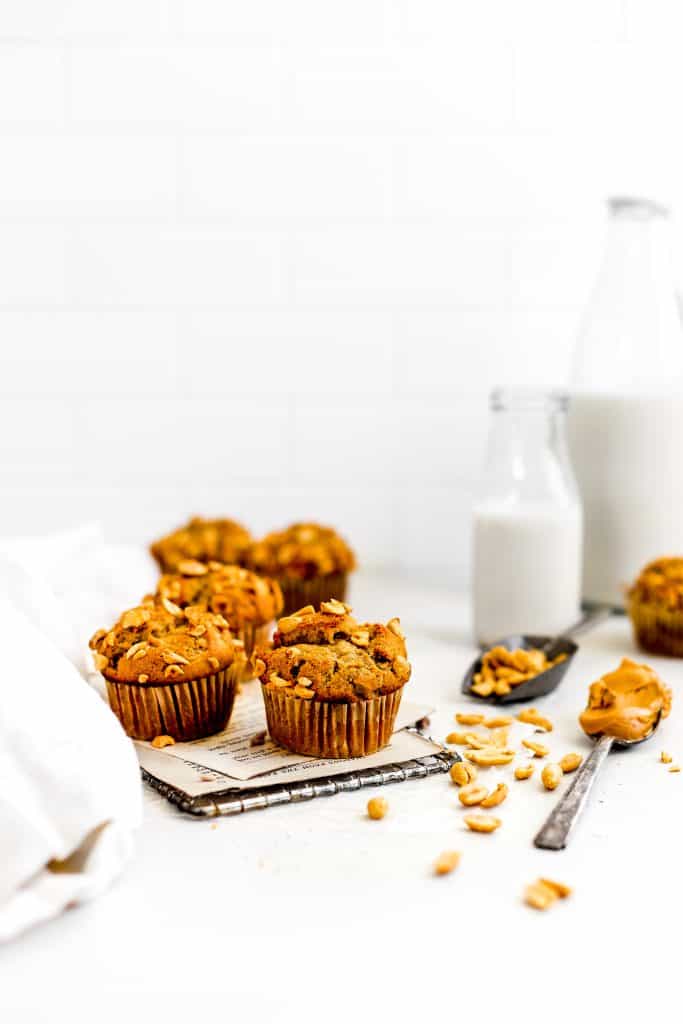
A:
(310, 562)
(172, 673)
(250, 603)
(332, 686)
(655, 606)
(220, 540)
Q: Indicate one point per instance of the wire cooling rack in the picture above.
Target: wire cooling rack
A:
(231, 801)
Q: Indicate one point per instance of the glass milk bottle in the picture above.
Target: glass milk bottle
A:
(527, 521)
(626, 417)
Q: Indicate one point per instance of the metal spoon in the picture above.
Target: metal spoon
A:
(544, 682)
(554, 835)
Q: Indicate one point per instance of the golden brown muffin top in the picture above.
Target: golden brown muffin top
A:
(303, 550)
(220, 540)
(151, 644)
(327, 655)
(238, 594)
(660, 582)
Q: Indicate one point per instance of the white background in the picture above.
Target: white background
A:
(266, 259)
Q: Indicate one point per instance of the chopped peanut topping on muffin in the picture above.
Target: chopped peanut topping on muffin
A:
(202, 540)
(239, 595)
(660, 583)
(327, 655)
(303, 551)
(150, 644)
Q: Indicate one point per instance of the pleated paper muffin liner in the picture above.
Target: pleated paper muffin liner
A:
(323, 729)
(657, 630)
(185, 709)
(298, 593)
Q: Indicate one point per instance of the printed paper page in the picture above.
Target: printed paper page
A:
(232, 752)
(195, 779)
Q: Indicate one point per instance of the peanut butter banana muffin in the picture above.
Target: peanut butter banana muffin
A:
(655, 606)
(220, 540)
(249, 602)
(170, 671)
(331, 685)
(310, 562)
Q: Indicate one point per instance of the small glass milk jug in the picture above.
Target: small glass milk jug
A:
(527, 521)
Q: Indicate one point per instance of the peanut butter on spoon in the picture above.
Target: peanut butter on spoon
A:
(626, 704)
(624, 709)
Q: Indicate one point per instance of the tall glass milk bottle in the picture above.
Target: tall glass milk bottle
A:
(626, 419)
(527, 521)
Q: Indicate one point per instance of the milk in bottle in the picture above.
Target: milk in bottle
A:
(626, 417)
(527, 522)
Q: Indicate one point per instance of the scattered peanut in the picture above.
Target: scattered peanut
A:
(482, 822)
(477, 742)
(559, 888)
(459, 738)
(532, 716)
(447, 862)
(497, 721)
(490, 756)
(551, 776)
(463, 718)
(537, 749)
(377, 808)
(544, 892)
(570, 762)
(524, 771)
(666, 758)
(496, 796)
(472, 794)
(463, 773)
(539, 896)
(500, 737)
(675, 768)
(162, 741)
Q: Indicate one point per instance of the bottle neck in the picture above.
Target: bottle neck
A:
(639, 251)
(528, 457)
(630, 340)
(526, 432)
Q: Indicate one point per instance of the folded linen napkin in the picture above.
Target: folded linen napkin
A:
(70, 799)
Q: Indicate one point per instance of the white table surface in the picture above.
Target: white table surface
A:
(300, 908)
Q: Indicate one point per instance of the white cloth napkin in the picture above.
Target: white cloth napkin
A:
(70, 799)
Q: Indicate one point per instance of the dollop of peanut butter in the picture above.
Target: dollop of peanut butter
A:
(626, 703)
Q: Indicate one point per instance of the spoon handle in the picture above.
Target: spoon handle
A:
(554, 835)
(591, 618)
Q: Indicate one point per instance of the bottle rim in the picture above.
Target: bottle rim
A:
(528, 400)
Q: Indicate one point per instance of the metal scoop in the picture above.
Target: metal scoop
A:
(544, 682)
(555, 833)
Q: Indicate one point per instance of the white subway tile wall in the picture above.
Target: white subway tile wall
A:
(267, 259)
